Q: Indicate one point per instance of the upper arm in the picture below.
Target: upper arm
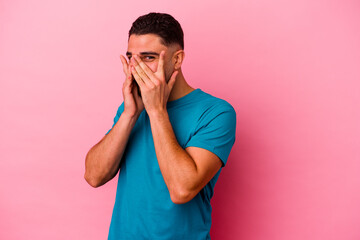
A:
(215, 132)
(207, 165)
(211, 144)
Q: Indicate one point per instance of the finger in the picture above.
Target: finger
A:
(137, 78)
(172, 80)
(127, 86)
(149, 73)
(160, 67)
(128, 79)
(125, 64)
(141, 72)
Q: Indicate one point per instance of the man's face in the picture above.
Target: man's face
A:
(148, 48)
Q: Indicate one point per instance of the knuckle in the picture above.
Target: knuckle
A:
(156, 82)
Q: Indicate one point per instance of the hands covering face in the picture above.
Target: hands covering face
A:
(153, 87)
(133, 104)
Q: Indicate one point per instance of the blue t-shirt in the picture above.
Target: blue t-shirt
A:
(143, 208)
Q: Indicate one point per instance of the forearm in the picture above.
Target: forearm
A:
(103, 160)
(176, 165)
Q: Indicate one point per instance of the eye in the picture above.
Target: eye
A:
(148, 58)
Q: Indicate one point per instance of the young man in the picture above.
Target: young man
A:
(169, 141)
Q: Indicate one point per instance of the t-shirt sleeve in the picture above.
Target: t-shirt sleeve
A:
(216, 132)
(117, 116)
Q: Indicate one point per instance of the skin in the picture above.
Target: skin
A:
(156, 69)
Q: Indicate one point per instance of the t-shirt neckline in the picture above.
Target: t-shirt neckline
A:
(183, 99)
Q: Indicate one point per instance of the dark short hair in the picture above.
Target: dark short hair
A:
(161, 24)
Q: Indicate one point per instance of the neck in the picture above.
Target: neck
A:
(180, 88)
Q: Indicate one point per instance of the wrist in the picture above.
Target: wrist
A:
(158, 114)
(131, 117)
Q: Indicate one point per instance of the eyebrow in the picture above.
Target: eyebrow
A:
(144, 53)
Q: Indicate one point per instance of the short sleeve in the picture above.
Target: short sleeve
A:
(117, 116)
(216, 132)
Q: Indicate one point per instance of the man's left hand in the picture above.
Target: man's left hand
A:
(154, 89)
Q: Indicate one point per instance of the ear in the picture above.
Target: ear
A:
(178, 58)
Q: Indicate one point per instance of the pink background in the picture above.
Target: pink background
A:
(291, 69)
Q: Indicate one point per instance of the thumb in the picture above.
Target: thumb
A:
(172, 80)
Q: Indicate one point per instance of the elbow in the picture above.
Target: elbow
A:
(92, 175)
(181, 196)
(92, 181)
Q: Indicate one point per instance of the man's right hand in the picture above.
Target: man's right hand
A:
(133, 104)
